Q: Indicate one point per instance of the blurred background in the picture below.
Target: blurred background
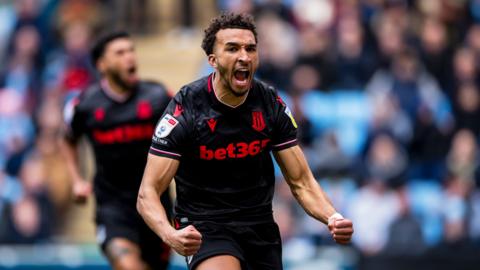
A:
(386, 94)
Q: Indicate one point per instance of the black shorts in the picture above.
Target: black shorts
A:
(123, 221)
(256, 246)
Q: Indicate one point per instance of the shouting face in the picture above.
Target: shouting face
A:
(235, 58)
(119, 63)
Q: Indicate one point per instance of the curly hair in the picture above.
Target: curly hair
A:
(224, 21)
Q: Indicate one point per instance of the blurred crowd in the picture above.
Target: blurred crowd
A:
(386, 94)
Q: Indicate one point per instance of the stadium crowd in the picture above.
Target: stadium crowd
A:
(385, 92)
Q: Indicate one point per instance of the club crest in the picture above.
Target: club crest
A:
(258, 123)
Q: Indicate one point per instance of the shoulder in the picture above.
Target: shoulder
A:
(265, 90)
(152, 87)
(193, 91)
(81, 103)
(90, 96)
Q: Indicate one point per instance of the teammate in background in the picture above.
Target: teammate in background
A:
(118, 115)
(215, 138)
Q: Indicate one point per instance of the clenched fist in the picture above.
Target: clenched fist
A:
(341, 229)
(186, 241)
(81, 190)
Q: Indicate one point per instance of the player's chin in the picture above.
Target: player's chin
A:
(240, 90)
(131, 80)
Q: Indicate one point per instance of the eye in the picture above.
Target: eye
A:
(251, 49)
(232, 49)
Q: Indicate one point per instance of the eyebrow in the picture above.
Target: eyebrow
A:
(231, 43)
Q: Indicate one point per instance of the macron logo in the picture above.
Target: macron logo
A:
(211, 124)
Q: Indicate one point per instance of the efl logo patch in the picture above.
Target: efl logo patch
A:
(289, 113)
(166, 125)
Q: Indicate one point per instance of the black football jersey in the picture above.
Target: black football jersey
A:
(226, 171)
(120, 133)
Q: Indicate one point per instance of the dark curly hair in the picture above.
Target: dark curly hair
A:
(98, 48)
(224, 21)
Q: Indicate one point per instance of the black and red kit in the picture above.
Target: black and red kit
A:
(120, 130)
(226, 173)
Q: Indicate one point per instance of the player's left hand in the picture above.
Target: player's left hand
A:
(341, 230)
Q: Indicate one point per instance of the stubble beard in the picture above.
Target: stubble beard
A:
(227, 83)
(117, 78)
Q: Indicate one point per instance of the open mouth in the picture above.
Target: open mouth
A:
(132, 70)
(131, 74)
(241, 75)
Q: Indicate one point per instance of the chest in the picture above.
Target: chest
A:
(232, 135)
(110, 122)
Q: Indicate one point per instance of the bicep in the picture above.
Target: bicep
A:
(159, 172)
(293, 164)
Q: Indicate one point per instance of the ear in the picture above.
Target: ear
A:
(101, 65)
(212, 60)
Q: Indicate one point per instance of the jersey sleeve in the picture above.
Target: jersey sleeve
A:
(171, 131)
(74, 119)
(285, 127)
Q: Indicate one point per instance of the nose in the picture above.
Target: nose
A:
(131, 57)
(244, 56)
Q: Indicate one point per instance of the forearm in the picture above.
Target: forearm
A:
(303, 185)
(151, 209)
(69, 152)
(156, 179)
(313, 199)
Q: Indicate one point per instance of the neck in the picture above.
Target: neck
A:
(117, 87)
(224, 94)
(115, 91)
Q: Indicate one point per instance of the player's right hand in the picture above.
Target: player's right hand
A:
(186, 241)
(81, 191)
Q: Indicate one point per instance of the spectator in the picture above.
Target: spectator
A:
(354, 61)
(467, 107)
(68, 69)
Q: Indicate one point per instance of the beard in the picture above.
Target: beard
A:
(117, 78)
(225, 80)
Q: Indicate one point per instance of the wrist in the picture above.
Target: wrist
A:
(166, 233)
(335, 216)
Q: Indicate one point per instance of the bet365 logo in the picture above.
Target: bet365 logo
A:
(234, 150)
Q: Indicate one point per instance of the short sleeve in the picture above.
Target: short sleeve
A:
(285, 127)
(74, 119)
(170, 136)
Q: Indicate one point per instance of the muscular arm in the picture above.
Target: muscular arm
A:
(158, 174)
(303, 185)
(310, 195)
